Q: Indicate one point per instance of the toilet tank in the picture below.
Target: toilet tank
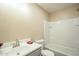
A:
(40, 42)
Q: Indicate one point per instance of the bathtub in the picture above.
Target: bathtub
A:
(60, 50)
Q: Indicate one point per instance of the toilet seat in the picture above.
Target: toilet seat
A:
(47, 53)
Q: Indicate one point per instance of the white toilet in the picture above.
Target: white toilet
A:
(45, 52)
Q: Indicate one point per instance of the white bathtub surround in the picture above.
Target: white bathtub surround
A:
(64, 36)
(22, 50)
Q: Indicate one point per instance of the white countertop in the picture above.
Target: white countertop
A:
(19, 51)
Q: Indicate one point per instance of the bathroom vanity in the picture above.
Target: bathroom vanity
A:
(24, 50)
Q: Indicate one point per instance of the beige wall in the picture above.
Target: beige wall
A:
(65, 14)
(21, 21)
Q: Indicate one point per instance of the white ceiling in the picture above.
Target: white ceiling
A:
(52, 7)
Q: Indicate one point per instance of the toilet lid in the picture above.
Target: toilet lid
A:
(47, 53)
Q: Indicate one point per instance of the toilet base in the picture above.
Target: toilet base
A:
(47, 53)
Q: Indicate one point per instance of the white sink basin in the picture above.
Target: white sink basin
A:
(16, 51)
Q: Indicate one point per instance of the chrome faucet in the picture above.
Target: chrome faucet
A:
(16, 44)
